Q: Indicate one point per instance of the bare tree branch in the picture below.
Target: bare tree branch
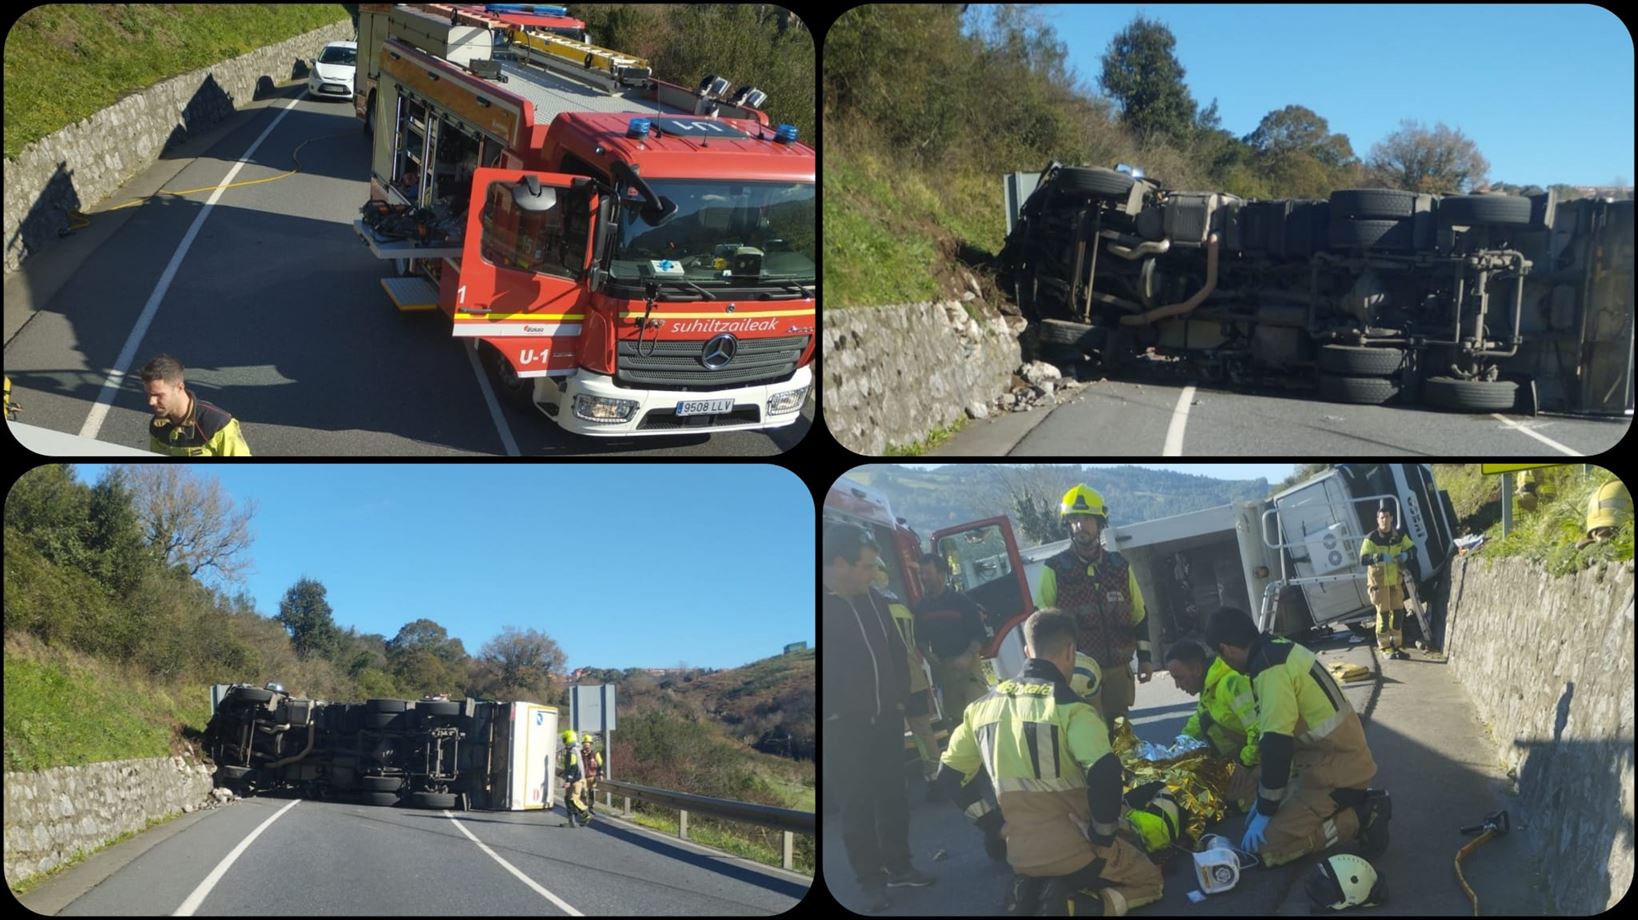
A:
(193, 521)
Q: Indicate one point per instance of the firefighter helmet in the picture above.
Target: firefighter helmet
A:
(1609, 505)
(1082, 499)
(1344, 881)
(586, 738)
(567, 735)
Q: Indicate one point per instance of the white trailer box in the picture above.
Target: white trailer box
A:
(527, 736)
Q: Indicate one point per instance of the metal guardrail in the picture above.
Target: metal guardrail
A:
(787, 820)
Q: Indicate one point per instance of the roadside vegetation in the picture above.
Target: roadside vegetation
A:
(1550, 533)
(926, 107)
(122, 607)
(65, 62)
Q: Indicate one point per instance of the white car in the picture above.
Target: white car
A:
(331, 75)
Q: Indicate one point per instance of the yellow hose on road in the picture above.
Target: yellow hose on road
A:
(1494, 826)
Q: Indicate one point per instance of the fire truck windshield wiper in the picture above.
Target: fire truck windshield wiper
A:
(685, 283)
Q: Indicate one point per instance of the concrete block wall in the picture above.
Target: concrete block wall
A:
(51, 814)
(1548, 662)
(890, 375)
(87, 161)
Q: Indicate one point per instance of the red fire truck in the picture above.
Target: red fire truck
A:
(631, 256)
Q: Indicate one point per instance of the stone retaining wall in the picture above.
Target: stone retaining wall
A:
(51, 814)
(1548, 663)
(87, 161)
(893, 374)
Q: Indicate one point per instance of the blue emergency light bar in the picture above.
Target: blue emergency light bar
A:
(785, 134)
(638, 127)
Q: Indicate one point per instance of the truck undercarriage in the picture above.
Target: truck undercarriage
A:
(1472, 303)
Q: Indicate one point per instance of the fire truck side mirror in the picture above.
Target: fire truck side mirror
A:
(532, 196)
(655, 215)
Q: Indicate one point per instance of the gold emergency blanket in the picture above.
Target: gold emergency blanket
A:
(1197, 778)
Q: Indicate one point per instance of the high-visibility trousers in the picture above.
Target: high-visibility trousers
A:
(1327, 780)
(1389, 601)
(1120, 876)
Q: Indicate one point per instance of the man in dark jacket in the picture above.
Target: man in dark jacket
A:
(951, 626)
(867, 686)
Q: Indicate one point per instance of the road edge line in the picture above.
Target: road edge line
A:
(1539, 437)
(518, 873)
(507, 442)
(203, 889)
(1180, 420)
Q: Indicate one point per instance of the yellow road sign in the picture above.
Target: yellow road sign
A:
(1491, 469)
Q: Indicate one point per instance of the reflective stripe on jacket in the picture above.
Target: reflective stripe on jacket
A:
(1227, 714)
(1386, 573)
(1104, 599)
(1299, 706)
(208, 431)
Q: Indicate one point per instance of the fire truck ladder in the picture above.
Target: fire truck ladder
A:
(581, 61)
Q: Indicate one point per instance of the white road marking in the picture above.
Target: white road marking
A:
(199, 894)
(490, 401)
(122, 364)
(1180, 418)
(562, 904)
(1539, 437)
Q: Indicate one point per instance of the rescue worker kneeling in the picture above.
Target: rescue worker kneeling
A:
(1226, 716)
(1315, 762)
(1057, 783)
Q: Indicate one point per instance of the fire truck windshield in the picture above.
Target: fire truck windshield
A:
(729, 234)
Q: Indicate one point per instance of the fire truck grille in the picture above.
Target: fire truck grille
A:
(681, 364)
(668, 420)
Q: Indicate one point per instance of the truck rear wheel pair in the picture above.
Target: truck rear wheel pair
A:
(1359, 374)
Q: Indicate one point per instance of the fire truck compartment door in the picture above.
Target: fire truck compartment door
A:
(989, 569)
(523, 266)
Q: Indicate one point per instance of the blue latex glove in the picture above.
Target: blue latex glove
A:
(1256, 830)
(1402, 557)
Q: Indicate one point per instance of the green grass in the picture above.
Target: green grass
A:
(715, 835)
(61, 714)
(892, 234)
(65, 62)
(933, 439)
(1546, 535)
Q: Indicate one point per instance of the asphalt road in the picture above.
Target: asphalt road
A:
(277, 312)
(326, 858)
(1156, 418)
(1431, 755)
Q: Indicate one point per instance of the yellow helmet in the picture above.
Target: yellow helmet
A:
(1608, 506)
(1155, 817)
(1082, 499)
(567, 735)
(586, 738)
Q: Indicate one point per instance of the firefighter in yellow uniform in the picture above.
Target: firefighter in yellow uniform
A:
(1099, 589)
(1383, 552)
(1609, 507)
(1315, 763)
(1057, 783)
(918, 713)
(573, 774)
(1225, 717)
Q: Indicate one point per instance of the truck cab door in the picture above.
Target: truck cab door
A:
(525, 263)
(985, 563)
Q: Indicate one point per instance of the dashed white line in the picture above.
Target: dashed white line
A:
(1538, 436)
(122, 364)
(490, 401)
(199, 894)
(1180, 418)
(562, 904)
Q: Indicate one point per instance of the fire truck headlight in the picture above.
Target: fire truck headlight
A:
(601, 409)
(788, 401)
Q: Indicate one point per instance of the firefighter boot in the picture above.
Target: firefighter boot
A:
(1374, 813)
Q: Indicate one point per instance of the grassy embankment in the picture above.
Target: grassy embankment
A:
(65, 62)
(1546, 535)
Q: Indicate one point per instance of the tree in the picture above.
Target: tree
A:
(306, 615)
(49, 508)
(1038, 518)
(192, 522)
(114, 534)
(1440, 161)
(423, 656)
(1144, 76)
(526, 663)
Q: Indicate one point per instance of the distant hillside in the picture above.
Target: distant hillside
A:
(930, 499)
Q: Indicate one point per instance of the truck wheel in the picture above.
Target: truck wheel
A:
(438, 707)
(1064, 332)
(1372, 203)
(432, 799)
(1394, 235)
(378, 798)
(1468, 210)
(1093, 180)
(381, 783)
(519, 391)
(1470, 395)
(254, 695)
(387, 705)
(1354, 361)
(1362, 390)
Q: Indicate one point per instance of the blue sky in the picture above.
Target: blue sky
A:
(623, 565)
(1545, 91)
(1273, 472)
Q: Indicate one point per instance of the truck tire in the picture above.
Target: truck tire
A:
(439, 707)
(387, 705)
(432, 799)
(381, 783)
(387, 799)
(376, 721)
(1373, 203)
(1064, 332)
(1355, 361)
(1370, 391)
(1470, 395)
(1468, 210)
(1093, 180)
(253, 695)
(1392, 235)
(519, 391)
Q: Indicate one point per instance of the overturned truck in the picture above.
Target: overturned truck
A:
(430, 753)
(1464, 302)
